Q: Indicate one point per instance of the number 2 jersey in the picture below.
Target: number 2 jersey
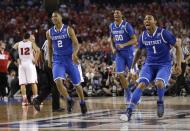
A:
(25, 51)
(122, 34)
(157, 46)
(61, 43)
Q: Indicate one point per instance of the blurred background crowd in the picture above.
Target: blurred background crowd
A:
(90, 19)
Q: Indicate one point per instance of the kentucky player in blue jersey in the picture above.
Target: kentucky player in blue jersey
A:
(123, 39)
(63, 48)
(157, 43)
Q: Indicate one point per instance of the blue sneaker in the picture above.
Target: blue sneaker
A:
(127, 116)
(70, 104)
(83, 108)
(160, 108)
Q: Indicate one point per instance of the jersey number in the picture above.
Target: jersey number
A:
(25, 51)
(59, 43)
(154, 49)
(118, 37)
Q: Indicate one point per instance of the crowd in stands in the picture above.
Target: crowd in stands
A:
(91, 20)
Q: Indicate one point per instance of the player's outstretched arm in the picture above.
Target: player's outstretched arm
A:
(75, 45)
(50, 50)
(136, 57)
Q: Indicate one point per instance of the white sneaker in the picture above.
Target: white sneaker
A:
(124, 118)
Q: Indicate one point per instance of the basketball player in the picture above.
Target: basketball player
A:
(27, 70)
(63, 48)
(123, 41)
(156, 42)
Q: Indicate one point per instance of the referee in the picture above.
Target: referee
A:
(46, 83)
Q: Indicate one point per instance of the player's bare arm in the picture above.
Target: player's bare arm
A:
(75, 45)
(136, 57)
(112, 45)
(15, 46)
(133, 41)
(37, 52)
(178, 55)
(50, 49)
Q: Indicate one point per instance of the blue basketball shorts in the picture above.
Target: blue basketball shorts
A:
(149, 73)
(123, 60)
(61, 69)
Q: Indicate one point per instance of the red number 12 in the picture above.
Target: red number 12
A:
(25, 51)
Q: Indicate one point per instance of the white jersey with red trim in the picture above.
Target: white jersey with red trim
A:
(25, 51)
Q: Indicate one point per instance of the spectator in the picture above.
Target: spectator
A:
(5, 60)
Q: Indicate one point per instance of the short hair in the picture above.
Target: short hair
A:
(153, 15)
(57, 12)
(26, 34)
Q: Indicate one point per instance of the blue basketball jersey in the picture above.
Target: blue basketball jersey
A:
(122, 34)
(157, 46)
(61, 43)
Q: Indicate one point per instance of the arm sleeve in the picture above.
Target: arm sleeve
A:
(169, 37)
(140, 42)
(130, 30)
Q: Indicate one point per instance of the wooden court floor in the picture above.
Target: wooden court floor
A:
(103, 115)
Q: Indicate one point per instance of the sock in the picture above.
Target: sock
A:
(82, 101)
(68, 98)
(135, 97)
(160, 92)
(127, 93)
(34, 96)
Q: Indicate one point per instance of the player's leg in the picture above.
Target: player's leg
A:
(128, 63)
(144, 79)
(59, 76)
(31, 76)
(162, 78)
(34, 90)
(120, 69)
(23, 93)
(75, 75)
(22, 83)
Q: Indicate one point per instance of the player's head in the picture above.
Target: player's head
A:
(56, 17)
(149, 22)
(117, 15)
(26, 35)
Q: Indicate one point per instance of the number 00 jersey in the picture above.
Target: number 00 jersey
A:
(157, 46)
(25, 51)
(122, 34)
(61, 43)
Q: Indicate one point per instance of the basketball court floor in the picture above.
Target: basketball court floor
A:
(103, 115)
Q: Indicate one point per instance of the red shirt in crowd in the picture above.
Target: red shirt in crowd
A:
(4, 60)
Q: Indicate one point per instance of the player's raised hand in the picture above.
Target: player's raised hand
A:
(120, 46)
(75, 58)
